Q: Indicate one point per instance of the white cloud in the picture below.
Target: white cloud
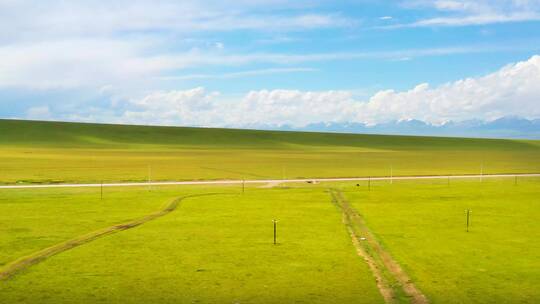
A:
(190, 107)
(478, 12)
(513, 90)
(135, 45)
(73, 63)
(240, 74)
(129, 48)
(478, 19)
(128, 44)
(454, 5)
(298, 108)
(476, 6)
(57, 19)
(127, 65)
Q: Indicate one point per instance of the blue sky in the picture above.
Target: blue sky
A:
(269, 63)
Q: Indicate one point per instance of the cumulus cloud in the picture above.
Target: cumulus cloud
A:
(190, 107)
(512, 90)
(297, 108)
(123, 49)
(198, 107)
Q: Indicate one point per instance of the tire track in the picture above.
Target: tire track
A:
(391, 279)
(382, 284)
(23, 263)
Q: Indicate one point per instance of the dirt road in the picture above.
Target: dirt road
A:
(268, 181)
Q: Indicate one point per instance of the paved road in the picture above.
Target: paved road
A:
(266, 181)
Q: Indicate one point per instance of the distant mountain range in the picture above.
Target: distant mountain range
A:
(506, 127)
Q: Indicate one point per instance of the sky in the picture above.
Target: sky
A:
(269, 63)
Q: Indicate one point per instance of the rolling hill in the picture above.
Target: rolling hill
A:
(45, 152)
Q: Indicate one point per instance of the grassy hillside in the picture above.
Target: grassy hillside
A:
(73, 152)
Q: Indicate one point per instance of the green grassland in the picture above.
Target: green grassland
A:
(214, 249)
(423, 225)
(31, 220)
(48, 152)
(218, 248)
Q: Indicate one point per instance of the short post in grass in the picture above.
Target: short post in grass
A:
(243, 186)
(275, 231)
(448, 181)
(101, 194)
(391, 174)
(515, 180)
(369, 183)
(468, 218)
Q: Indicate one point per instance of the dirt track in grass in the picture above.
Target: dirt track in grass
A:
(23, 263)
(391, 279)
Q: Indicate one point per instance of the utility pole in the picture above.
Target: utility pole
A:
(468, 218)
(275, 231)
(482, 172)
(149, 171)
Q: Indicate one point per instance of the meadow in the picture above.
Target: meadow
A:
(219, 248)
(390, 241)
(52, 152)
(423, 226)
(213, 249)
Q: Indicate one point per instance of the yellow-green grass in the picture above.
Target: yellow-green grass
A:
(34, 219)
(215, 249)
(48, 152)
(219, 249)
(423, 226)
